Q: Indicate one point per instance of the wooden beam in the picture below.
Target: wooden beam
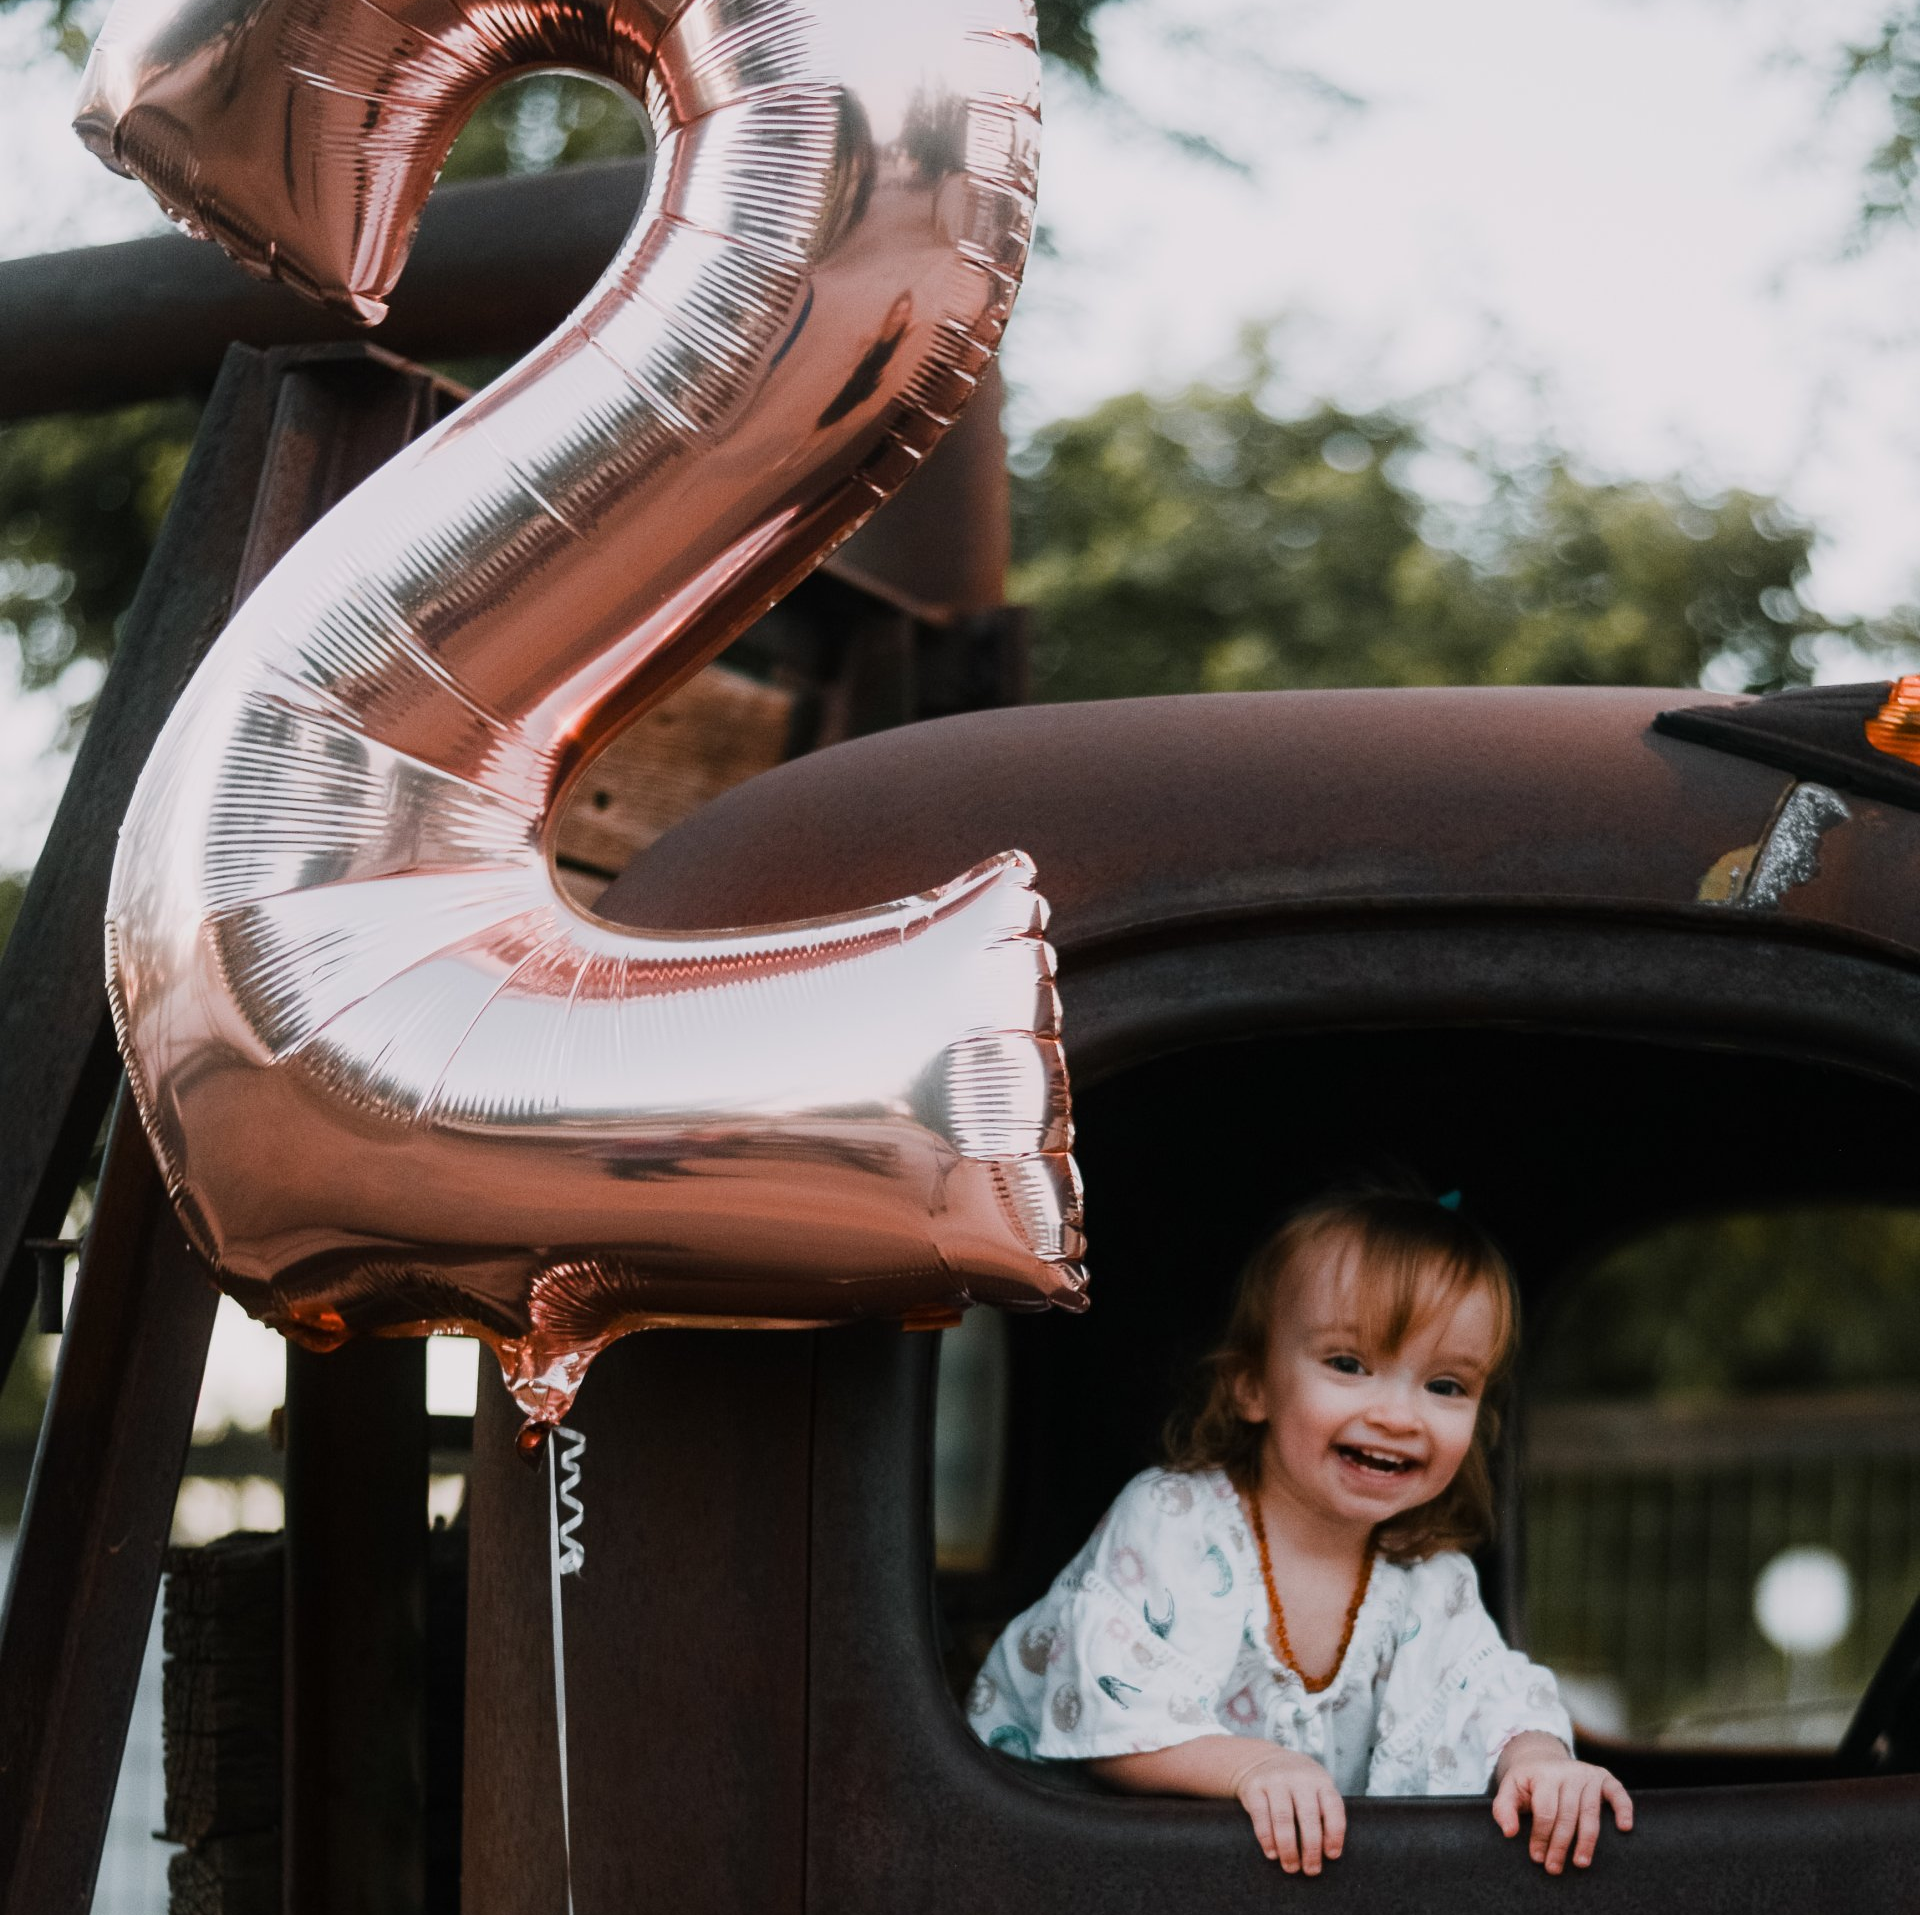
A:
(685, 1635)
(58, 1065)
(718, 729)
(285, 435)
(353, 1816)
(99, 1509)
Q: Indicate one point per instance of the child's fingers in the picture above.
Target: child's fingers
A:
(1261, 1811)
(1284, 1837)
(1566, 1823)
(1333, 1820)
(1622, 1803)
(1506, 1806)
(1545, 1795)
(1590, 1801)
(1306, 1812)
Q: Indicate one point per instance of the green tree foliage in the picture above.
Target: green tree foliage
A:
(1801, 1300)
(1887, 65)
(1201, 543)
(544, 121)
(1066, 34)
(558, 119)
(80, 502)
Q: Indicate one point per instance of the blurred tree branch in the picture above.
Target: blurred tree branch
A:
(1887, 64)
(80, 503)
(1815, 1298)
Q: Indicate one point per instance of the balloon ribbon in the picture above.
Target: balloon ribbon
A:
(566, 1557)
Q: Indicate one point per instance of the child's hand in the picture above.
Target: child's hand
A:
(1297, 1812)
(1565, 1795)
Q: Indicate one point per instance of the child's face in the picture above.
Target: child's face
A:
(1356, 1433)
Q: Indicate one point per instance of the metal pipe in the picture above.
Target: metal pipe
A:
(498, 264)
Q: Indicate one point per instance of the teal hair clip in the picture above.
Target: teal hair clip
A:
(1451, 1201)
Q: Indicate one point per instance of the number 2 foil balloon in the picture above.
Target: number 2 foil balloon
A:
(394, 1080)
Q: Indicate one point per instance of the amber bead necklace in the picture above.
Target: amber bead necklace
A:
(1282, 1647)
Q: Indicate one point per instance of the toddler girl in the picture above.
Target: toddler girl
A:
(1285, 1615)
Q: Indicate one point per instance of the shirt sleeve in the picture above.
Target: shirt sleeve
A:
(1456, 1694)
(1128, 1650)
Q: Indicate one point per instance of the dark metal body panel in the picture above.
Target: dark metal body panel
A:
(907, 1811)
(1368, 874)
(1157, 814)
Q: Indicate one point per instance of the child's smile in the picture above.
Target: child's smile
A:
(1357, 1433)
(1375, 1462)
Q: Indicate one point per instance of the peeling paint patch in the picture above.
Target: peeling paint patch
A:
(1790, 853)
(1727, 876)
(1755, 877)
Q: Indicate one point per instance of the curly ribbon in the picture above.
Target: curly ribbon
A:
(567, 1556)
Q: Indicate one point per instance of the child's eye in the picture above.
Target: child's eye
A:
(1447, 1386)
(1347, 1365)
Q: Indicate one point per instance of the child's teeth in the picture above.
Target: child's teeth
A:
(1375, 1460)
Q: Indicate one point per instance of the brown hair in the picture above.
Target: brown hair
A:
(1417, 1254)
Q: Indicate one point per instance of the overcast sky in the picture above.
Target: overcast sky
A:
(1621, 221)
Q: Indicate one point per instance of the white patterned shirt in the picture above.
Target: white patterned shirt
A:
(1158, 1632)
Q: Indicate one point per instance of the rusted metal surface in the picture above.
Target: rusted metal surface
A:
(1363, 883)
(1148, 814)
(907, 1811)
(1145, 815)
(1865, 879)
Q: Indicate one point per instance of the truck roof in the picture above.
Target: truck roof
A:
(1146, 816)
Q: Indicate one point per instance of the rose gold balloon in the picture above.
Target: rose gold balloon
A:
(395, 1080)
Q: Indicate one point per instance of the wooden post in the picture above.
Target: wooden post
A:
(110, 1452)
(283, 437)
(686, 1638)
(353, 1817)
(58, 1067)
(98, 1511)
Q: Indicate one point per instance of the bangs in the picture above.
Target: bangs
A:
(1421, 1262)
(1403, 1260)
